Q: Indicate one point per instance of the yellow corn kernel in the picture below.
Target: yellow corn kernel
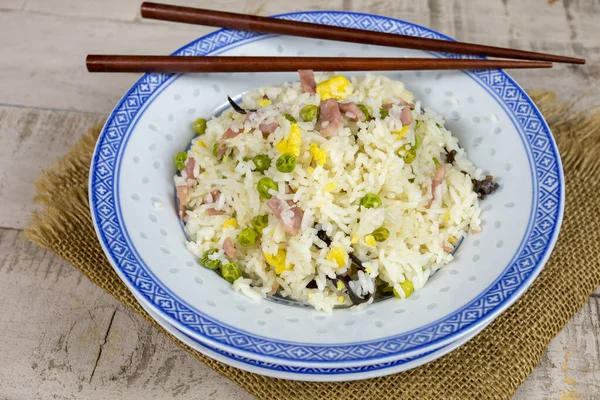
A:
(330, 186)
(407, 287)
(338, 255)
(446, 216)
(278, 261)
(264, 102)
(452, 240)
(370, 240)
(230, 222)
(354, 239)
(341, 299)
(401, 132)
(340, 285)
(292, 143)
(201, 143)
(333, 88)
(319, 155)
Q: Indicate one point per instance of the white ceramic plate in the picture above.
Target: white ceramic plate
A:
(495, 121)
(310, 374)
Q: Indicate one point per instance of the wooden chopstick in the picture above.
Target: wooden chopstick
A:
(255, 23)
(183, 64)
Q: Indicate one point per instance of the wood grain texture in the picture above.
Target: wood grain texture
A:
(33, 138)
(65, 338)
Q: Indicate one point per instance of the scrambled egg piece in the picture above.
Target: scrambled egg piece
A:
(340, 285)
(292, 143)
(318, 154)
(264, 102)
(330, 186)
(230, 222)
(341, 299)
(335, 87)
(354, 239)
(310, 170)
(452, 240)
(278, 261)
(401, 132)
(201, 143)
(338, 255)
(370, 240)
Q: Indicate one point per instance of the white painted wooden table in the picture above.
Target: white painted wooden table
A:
(60, 335)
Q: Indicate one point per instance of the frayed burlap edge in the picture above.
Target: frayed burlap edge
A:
(490, 366)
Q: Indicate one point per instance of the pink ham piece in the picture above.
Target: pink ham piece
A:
(229, 134)
(330, 116)
(351, 111)
(406, 117)
(388, 106)
(212, 198)
(189, 168)
(290, 217)
(268, 128)
(307, 79)
(183, 192)
(229, 248)
(447, 248)
(438, 179)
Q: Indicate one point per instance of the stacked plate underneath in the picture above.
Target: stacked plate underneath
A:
(133, 206)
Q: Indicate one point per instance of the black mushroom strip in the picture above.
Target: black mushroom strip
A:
(237, 107)
(354, 298)
(344, 278)
(450, 156)
(484, 187)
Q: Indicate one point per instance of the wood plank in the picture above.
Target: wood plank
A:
(12, 5)
(129, 10)
(64, 337)
(570, 369)
(32, 140)
(36, 70)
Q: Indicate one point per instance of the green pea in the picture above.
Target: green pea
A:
(260, 222)
(215, 149)
(370, 200)
(231, 272)
(264, 185)
(309, 113)
(364, 111)
(262, 162)
(438, 125)
(247, 237)
(290, 118)
(286, 163)
(381, 234)
(200, 126)
(207, 262)
(436, 162)
(408, 288)
(180, 159)
(409, 154)
(383, 112)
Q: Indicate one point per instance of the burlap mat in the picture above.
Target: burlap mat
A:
(491, 366)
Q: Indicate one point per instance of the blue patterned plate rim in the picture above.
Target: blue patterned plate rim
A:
(541, 235)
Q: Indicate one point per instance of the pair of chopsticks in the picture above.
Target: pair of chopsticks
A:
(244, 22)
